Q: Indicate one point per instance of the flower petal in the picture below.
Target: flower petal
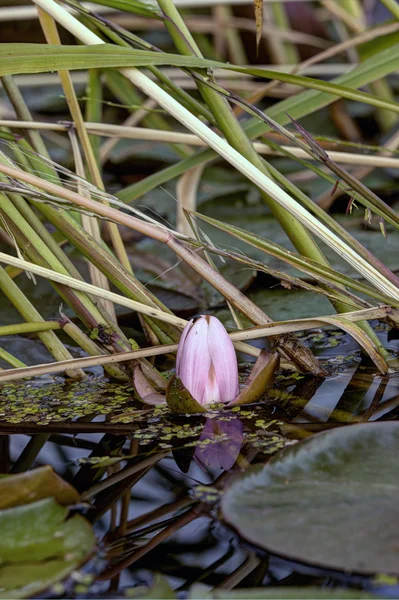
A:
(211, 392)
(224, 360)
(194, 360)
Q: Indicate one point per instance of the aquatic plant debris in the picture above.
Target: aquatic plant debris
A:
(42, 404)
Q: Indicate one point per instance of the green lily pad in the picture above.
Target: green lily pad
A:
(40, 546)
(331, 500)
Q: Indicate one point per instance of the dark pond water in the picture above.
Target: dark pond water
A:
(151, 482)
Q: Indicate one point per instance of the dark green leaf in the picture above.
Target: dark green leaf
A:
(38, 58)
(39, 546)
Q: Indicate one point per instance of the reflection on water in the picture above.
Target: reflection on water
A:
(151, 481)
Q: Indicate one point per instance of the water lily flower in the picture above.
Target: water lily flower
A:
(206, 361)
(207, 372)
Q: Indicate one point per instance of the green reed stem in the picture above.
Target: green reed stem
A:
(20, 328)
(10, 359)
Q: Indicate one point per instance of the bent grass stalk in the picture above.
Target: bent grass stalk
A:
(156, 135)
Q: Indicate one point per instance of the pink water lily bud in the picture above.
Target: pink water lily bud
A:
(206, 361)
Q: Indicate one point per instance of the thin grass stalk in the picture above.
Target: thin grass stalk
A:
(29, 313)
(132, 121)
(88, 288)
(82, 304)
(250, 563)
(333, 225)
(361, 192)
(281, 19)
(162, 316)
(392, 6)
(92, 225)
(50, 31)
(39, 228)
(20, 146)
(284, 52)
(121, 87)
(234, 43)
(310, 100)
(234, 133)
(30, 453)
(38, 252)
(128, 130)
(323, 274)
(194, 229)
(180, 521)
(364, 194)
(325, 201)
(324, 55)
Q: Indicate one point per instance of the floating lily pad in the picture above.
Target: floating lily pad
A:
(331, 500)
(40, 546)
